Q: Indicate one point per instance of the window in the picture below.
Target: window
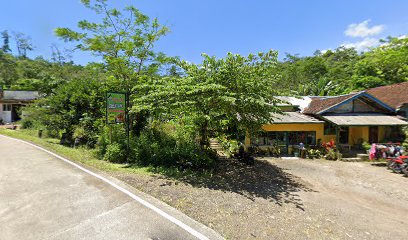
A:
(329, 129)
(284, 138)
(261, 139)
(6, 107)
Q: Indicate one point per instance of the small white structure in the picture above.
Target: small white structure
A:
(11, 102)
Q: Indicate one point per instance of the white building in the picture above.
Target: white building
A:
(11, 102)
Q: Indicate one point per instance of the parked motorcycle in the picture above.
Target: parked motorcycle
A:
(405, 167)
(398, 165)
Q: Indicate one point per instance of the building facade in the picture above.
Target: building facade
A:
(349, 120)
(11, 103)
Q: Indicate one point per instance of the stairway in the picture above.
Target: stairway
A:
(215, 144)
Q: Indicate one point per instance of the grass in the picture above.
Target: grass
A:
(80, 155)
(88, 157)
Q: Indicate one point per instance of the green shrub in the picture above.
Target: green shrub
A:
(115, 153)
(332, 154)
(50, 133)
(161, 145)
(230, 146)
(26, 124)
(314, 153)
(405, 143)
(170, 147)
(109, 135)
(366, 146)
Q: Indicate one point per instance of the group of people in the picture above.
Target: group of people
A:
(389, 150)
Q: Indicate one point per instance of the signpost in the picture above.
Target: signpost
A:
(117, 112)
(115, 108)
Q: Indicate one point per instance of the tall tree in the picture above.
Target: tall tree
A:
(234, 91)
(124, 39)
(6, 41)
(23, 44)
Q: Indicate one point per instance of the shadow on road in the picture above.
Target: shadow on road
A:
(262, 180)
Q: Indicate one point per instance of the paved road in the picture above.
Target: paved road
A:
(42, 197)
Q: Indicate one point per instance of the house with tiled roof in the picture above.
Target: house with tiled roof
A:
(371, 116)
(11, 102)
(395, 95)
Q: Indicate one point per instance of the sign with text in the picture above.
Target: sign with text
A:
(115, 108)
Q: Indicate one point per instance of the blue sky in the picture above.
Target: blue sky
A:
(218, 27)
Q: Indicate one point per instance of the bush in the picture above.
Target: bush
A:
(26, 124)
(333, 155)
(405, 143)
(230, 147)
(170, 147)
(115, 153)
(110, 135)
(366, 146)
(162, 145)
(314, 153)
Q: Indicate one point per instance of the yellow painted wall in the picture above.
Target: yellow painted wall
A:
(365, 133)
(381, 133)
(328, 138)
(358, 133)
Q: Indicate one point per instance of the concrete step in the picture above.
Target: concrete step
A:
(363, 156)
(214, 144)
(356, 159)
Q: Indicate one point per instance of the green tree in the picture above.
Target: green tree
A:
(23, 44)
(386, 64)
(8, 70)
(6, 41)
(124, 39)
(234, 91)
(78, 103)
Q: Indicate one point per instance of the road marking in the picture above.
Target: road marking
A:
(172, 219)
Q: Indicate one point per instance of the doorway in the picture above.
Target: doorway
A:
(15, 113)
(373, 134)
(344, 135)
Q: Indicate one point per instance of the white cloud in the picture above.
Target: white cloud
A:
(363, 30)
(362, 45)
(403, 36)
(325, 50)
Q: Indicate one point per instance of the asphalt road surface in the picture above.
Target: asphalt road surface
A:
(43, 197)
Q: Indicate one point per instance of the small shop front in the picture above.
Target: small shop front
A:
(288, 142)
(354, 129)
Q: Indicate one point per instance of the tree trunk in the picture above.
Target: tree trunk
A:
(204, 134)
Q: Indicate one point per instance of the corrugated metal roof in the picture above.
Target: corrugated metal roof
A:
(365, 119)
(20, 95)
(294, 117)
(301, 102)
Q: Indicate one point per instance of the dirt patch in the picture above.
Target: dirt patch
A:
(289, 199)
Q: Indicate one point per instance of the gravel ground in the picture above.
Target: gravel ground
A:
(290, 199)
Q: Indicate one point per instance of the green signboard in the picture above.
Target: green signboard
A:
(115, 108)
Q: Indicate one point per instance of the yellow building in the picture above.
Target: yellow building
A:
(349, 120)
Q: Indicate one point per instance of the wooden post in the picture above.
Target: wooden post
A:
(337, 138)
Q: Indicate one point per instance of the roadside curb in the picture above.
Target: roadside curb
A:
(196, 229)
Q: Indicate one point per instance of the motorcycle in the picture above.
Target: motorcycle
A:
(398, 165)
(405, 167)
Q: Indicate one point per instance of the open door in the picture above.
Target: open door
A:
(344, 135)
(15, 112)
(373, 134)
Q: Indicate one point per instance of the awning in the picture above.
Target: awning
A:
(294, 117)
(365, 119)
